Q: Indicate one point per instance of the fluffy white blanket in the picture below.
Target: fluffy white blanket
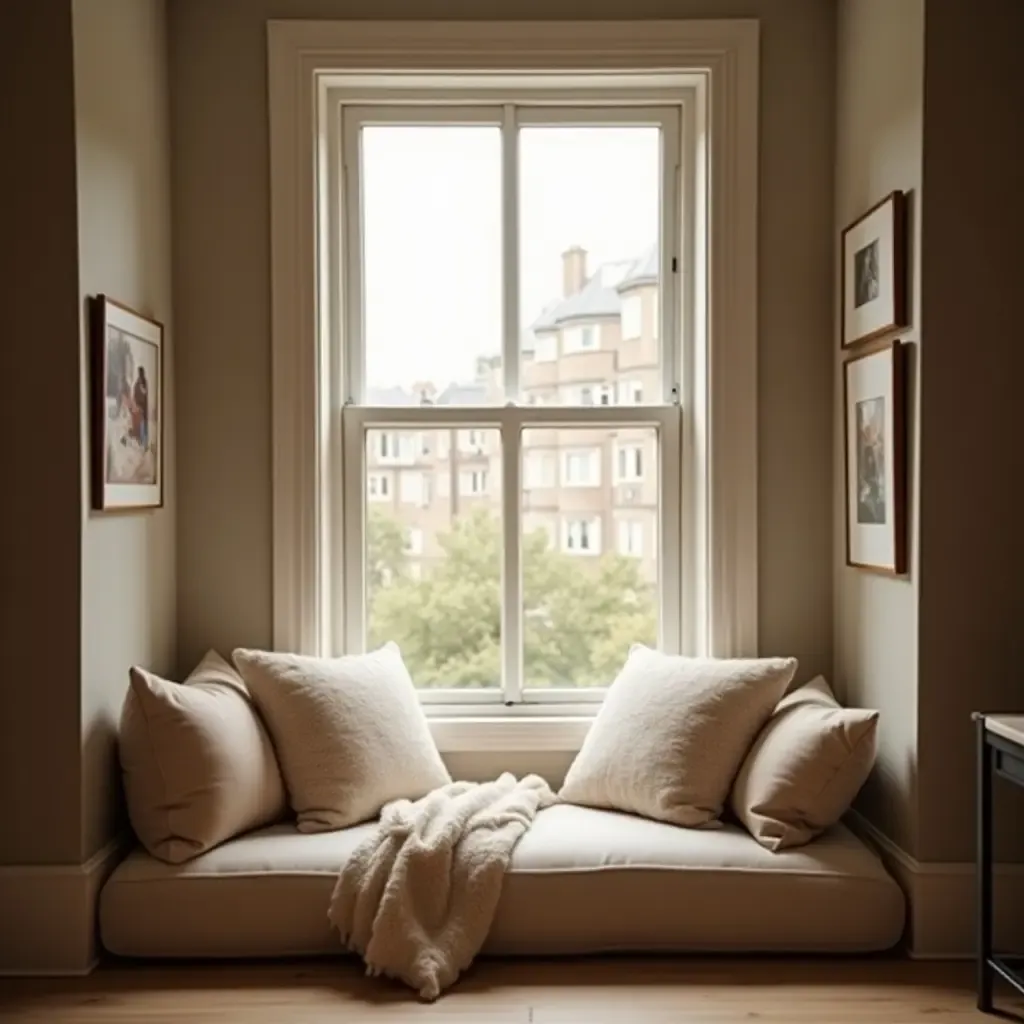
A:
(416, 899)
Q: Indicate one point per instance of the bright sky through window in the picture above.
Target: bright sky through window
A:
(432, 237)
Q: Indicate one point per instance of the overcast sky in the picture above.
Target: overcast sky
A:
(433, 233)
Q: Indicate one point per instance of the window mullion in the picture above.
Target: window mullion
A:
(510, 253)
(511, 590)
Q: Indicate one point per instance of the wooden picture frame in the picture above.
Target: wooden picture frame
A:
(874, 441)
(874, 272)
(128, 407)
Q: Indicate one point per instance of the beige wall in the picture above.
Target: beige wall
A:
(221, 274)
(40, 526)
(879, 103)
(128, 561)
(972, 460)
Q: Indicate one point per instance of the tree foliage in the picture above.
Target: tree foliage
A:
(580, 614)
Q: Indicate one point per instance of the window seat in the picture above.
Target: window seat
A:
(581, 881)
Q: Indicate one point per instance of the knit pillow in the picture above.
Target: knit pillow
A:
(349, 732)
(672, 733)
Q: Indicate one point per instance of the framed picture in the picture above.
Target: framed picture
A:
(874, 272)
(128, 393)
(873, 398)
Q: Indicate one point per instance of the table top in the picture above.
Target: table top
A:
(1010, 727)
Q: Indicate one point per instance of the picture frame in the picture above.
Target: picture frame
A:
(127, 413)
(874, 272)
(874, 417)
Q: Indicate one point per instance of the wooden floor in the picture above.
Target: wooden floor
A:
(623, 991)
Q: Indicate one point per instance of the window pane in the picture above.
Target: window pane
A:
(589, 263)
(590, 571)
(432, 263)
(433, 556)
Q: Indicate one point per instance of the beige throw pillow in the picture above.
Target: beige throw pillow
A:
(805, 767)
(197, 764)
(672, 732)
(349, 732)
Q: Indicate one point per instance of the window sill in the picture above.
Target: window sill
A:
(483, 733)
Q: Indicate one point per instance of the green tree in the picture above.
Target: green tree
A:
(580, 614)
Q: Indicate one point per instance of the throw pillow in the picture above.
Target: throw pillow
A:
(349, 732)
(805, 767)
(672, 733)
(197, 764)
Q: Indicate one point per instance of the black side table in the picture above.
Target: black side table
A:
(1000, 752)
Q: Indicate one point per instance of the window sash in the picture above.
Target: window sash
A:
(510, 422)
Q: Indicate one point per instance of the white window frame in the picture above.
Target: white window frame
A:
(715, 65)
(633, 473)
(626, 392)
(627, 531)
(374, 489)
(592, 477)
(477, 483)
(592, 529)
(413, 544)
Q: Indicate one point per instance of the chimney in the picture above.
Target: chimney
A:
(574, 270)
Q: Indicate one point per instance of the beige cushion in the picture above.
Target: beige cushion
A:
(349, 732)
(672, 732)
(580, 881)
(197, 764)
(805, 767)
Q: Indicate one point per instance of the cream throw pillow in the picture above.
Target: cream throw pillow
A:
(197, 764)
(672, 732)
(805, 767)
(349, 732)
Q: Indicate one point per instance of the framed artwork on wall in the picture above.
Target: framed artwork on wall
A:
(875, 441)
(874, 271)
(128, 416)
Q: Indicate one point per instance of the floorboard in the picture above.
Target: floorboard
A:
(589, 991)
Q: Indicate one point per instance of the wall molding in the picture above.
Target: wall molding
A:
(941, 899)
(48, 925)
(302, 58)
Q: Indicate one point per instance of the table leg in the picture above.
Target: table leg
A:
(984, 838)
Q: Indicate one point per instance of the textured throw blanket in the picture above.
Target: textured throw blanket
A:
(416, 899)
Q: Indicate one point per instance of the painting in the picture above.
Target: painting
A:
(128, 415)
(874, 272)
(875, 473)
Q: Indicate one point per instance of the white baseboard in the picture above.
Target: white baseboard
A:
(941, 899)
(48, 925)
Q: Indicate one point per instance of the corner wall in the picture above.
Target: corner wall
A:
(124, 250)
(879, 129)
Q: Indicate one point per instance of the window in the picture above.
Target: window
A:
(414, 541)
(632, 317)
(606, 394)
(581, 339)
(378, 486)
(631, 538)
(416, 196)
(630, 392)
(629, 463)
(581, 536)
(396, 448)
(473, 483)
(545, 349)
(412, 488)
(539, 470)
(581, 468)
